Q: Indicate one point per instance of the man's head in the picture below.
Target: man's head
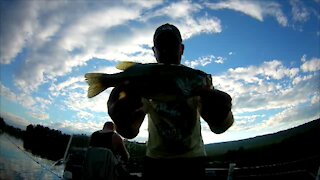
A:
(109, 126)
(168, 47)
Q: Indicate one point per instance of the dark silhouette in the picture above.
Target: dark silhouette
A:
(13, 131)
(288, 154)
(175, 147)
(108, 138)
(45, 142)
(106, 155)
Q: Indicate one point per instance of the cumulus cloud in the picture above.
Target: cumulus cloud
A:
(256, 9)
(61, 35)
(56, 57)
(36, 105)
(201, 61)
(15, 120)
(266, 87)
(192, 27)
(292, 116)
(40, 116)
(311, 65)
(57, 37)
(316, 98)
(204, 61)
(17, 25)
(62, 87)
(78, 127)
(175, 10)
(220, 60)
(257, 94)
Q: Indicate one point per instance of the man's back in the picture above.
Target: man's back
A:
(102, 139)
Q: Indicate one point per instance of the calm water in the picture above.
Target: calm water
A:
(18, 164)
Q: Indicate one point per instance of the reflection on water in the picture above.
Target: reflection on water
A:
(16, 163)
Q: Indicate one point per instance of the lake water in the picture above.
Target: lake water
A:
(16, 163)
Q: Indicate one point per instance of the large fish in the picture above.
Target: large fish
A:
(152, 81)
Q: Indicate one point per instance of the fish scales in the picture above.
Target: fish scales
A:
(153, 80)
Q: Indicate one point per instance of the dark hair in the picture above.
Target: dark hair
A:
(168, 30)
(167, 40)
(109, 125)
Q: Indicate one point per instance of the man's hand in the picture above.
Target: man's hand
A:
(125, 109)
(216, 110)
(124, 96)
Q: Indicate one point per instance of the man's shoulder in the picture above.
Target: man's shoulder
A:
(96, 132)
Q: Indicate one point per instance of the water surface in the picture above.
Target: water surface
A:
(16, 163)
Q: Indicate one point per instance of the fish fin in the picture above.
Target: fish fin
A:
(96, 86)
(125, 65)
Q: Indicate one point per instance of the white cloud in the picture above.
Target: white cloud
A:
(173, 11)
(269, 69)
(204, 61)
(36, 105)
(251, 8)
(78, 127)
(276, 70)
(291, 117)
(15, 120)
(62, 35)
(78, 101)
(7, 93)
(304, 58)
(64, 86)
(177, 10)
(311, 65)
(59, 36)
(192, 27)
(90, 28)
(255, 9)
(17, 25)
(85, 115)
(316, 98)
(298, 79)
(220, 60)
(299, 11)
(22, 99)
(266, 87)
(296, 104)
(56, 57)
(201, 61)
(144, 3)
(40, 116)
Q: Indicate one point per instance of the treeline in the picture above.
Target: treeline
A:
(45, 142)
(51, 144)
(297, 147)
(16, 132)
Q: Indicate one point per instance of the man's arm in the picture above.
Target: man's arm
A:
(215, 109)
(120, 147)
(125, 109)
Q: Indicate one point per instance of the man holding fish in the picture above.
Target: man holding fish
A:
(174, 97)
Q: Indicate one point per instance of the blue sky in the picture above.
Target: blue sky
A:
(265, 54)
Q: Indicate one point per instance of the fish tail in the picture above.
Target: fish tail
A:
(95, 82)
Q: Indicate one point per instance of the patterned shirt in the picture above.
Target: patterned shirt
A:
(174, 129)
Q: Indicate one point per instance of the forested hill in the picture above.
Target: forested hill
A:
(296, 142)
